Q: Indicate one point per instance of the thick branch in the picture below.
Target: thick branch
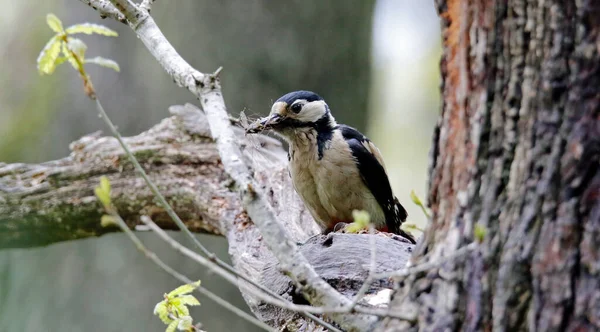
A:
(54, 201)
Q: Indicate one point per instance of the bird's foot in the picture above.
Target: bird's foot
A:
(340, 227)
(308, 240)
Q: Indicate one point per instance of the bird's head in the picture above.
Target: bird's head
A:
(295, 110)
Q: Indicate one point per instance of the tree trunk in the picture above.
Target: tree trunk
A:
(516, 151)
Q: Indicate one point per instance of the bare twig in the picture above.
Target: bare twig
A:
(165, 267)
(283, 304)
(151, 185)
(213, 264)
(207, 89)
(106, 9)
(178, 220)
(424, 267)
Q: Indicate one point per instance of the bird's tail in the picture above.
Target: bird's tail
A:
(399, 217)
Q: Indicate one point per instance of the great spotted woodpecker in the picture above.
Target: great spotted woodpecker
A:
(334, 168)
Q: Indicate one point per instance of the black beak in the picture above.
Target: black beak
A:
(266, 123)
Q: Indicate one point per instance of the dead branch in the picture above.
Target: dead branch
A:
(54, 201)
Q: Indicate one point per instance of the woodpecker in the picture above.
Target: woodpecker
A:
(334, 168)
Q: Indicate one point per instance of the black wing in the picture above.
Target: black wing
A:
(372, 171)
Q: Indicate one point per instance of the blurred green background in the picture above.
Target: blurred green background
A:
(375, 63)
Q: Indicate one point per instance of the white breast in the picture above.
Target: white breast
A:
(331, 187)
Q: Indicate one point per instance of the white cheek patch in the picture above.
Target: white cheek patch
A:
(312, 111)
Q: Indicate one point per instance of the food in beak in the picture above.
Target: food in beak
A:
(263, 124)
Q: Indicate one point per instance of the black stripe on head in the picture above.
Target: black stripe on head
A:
(309, 96)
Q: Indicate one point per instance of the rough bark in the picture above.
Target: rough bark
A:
(54, 202)
(516, 151)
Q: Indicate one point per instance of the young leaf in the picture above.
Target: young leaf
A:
(89, 28)
(105, 184)
(185, 323)
(54, 23)
(185, 289)
(361, 221)
(415, 198)
(188, 300)
(78, 47)
(102, 196)
(361, 217)
(180, 309)
(60, 60)
(103, 191)
(172, 326)
(106, 221)
(104, 63)
(419, 203)
(69, 56)
(479, 232)
(46, 61)
(162, 312)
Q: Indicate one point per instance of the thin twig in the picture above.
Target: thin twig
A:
(208, 263)
(178, 220)
(151, 185)
(165, 267)
(427, 266)
(283, 304)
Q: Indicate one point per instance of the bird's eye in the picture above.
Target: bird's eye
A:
(296, 107)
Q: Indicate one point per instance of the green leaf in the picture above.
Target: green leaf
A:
(188, 300)
(185, 289)
(479, 232)
(69, 56)
(362, 219)
(103, 192)
(60, 60)
(102, 196)
(172, 326)
(90, 28)
(106, 221)
(179, 308)
(104, 63)
(418, 202)
(46, 61)
(415, 198)
(78, 47)
(185, 323)
(105, 184)
(162, 312)
(54, 23)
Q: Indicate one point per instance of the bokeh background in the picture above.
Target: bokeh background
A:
(374, 61)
